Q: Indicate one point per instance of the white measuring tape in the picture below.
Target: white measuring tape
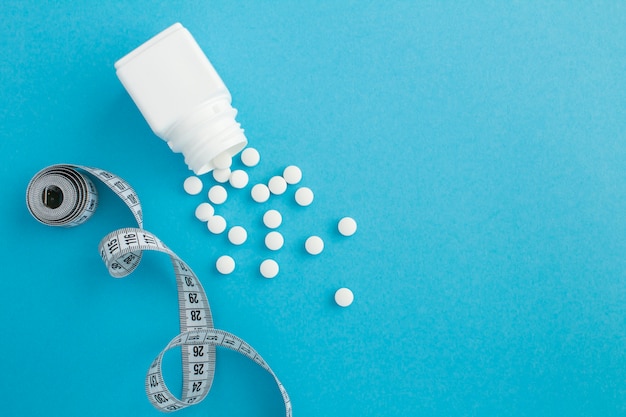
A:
(61, 195)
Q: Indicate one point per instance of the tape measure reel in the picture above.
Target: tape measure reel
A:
(63, 195)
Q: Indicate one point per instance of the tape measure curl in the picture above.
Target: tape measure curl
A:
(61, 195)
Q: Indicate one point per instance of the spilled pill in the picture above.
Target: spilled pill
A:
(238, 178)
(237, 235)
(347, 226)
(225, 264)
(344, 297)
(260, 193)
(192, 185)
(274, 240)
(204, 211)
(217, 194)
(292, 174)
(304, 196)
(272, 219)
(314, 245)
(250, 157)
(221, 175)
(216, 224)
(269, 268)
(277, 185)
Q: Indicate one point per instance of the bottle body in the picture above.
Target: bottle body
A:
(182, 97)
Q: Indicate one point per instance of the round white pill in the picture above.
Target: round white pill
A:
(250, 157)
(314, 245)
(216, 224)
(292, 174)
(274, 240)
(217, 194)
(304, 196)
(221, 175)
(347, 226)
(204, 211)
(260, 193)
(344, 297)
(237, 235)
(192, 185)
(277, 185)
(238, 178)
(222, 161)
(225, 264)
(269, 268)
(272, 219)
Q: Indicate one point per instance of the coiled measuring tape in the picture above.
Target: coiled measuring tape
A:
(62, 195)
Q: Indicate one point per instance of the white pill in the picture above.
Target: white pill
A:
(347, 226)
(277, 185)
(304, 196)
(217, 194)
(192, 185)
(250, 157)
(269, 268)
(237, 235)
(204, 211)
(272, 219)
(221, 175)
(225, 264)
(314, 245)
(260, 193)
(216, 224)
(344, 297)
(274, 240)
(222, 161)
(238, 179)
(292, 174)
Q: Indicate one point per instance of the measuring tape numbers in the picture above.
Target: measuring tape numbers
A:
(63, 195)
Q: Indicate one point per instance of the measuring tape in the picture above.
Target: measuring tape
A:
(62, 195)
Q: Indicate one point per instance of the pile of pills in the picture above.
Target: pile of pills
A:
(272, 219)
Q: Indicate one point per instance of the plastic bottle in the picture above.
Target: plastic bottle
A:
(182, 98)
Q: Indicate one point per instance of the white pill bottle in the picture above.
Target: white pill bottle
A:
(182, 98)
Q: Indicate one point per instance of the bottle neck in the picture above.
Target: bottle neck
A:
(206, 132)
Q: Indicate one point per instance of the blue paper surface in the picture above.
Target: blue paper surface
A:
(479, 145)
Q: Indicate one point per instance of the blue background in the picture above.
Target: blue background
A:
(479, 145)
